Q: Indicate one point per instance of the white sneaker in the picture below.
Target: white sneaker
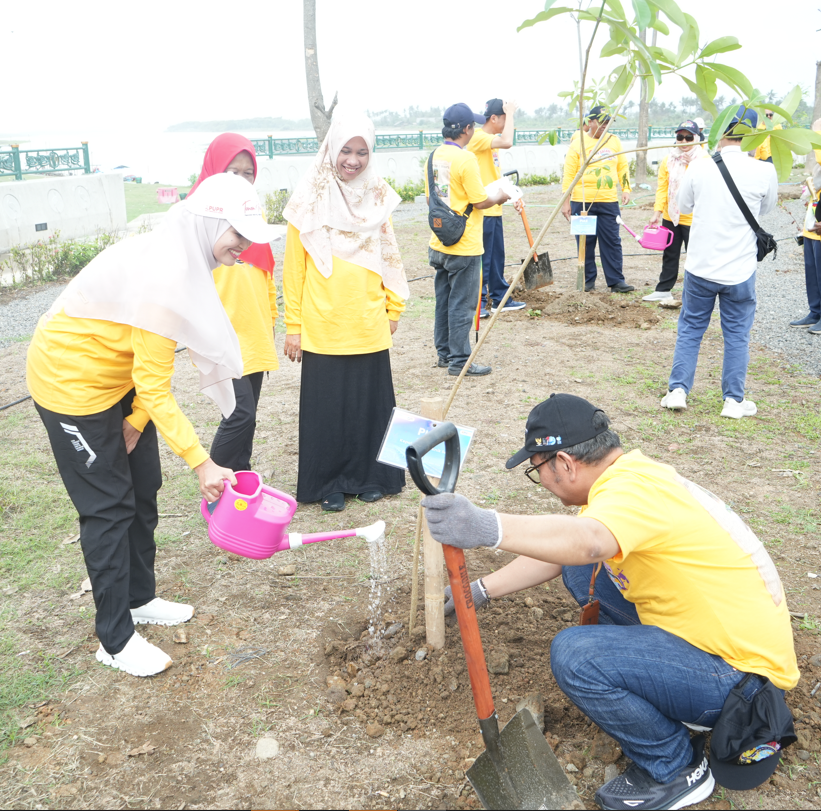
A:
(675, 400)
(659, 295)
(161, 612)
(138, 658)
(735, 410)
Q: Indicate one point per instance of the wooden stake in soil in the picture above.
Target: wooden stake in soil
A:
(415, 570)
(582, 250)
(433, 409)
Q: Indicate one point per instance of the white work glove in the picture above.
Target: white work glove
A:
(477, 589)
(454, 521)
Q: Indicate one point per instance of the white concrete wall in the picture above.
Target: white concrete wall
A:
(284, 171)
(77, 206)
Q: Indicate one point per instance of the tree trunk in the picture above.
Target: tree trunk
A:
(810, 162)
(320, 117)
(641, 141)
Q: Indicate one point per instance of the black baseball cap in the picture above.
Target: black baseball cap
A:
(689, 126)
(461, 115)
(561, 421)
(749, 734)
(598, 114)
(494, 107)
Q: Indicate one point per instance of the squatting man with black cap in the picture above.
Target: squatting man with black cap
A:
(690, 604)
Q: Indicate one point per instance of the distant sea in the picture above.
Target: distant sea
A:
(156, 157)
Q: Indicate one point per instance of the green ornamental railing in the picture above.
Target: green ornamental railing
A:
(428, 140)
(18, 161)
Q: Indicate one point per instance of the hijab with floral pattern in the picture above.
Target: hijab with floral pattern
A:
(349, 219)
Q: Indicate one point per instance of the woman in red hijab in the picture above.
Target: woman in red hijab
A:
(249, 295)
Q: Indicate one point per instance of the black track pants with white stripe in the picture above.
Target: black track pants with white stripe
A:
(115, 494)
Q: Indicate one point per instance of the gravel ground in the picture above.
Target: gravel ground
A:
(781, 296)
(19, 317)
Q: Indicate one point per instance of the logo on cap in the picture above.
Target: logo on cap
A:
(250, 208)
(549, 440)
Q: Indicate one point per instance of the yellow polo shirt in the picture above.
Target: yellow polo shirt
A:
(249, 296)
(81, 366)
(457, 176)
(345, 314)
(489, 166)
(600, 183)
(661, 195)
(693, 568)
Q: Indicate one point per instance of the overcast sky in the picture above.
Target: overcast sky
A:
(147, 65)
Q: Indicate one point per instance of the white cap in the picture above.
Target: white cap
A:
(700, 122)
(227, 196)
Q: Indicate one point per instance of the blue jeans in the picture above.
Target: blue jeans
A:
(638, 682)
(609, 239)
(493, 262)
(456, 285)
(737, 310)
(812, 274)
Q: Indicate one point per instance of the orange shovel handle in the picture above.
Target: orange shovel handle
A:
(469, 629)
(527, 231)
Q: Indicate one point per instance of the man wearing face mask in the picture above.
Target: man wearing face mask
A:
(458, 183)
(677, 576)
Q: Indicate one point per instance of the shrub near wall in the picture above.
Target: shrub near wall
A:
(48, 260)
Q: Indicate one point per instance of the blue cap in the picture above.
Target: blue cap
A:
(743, 115)
(462, 115)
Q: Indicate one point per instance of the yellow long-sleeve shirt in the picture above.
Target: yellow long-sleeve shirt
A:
(344, 314)
(593, 187)
(661, 195)
(82, 366)
(765, 151)
(249, 296)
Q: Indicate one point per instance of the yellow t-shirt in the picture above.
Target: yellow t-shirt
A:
(693, 568)
(593, 187)
(815, 199)
(249, 296)
(489, 166)
(83, 366)
(456, 175)
(661, 196)
(345, 314)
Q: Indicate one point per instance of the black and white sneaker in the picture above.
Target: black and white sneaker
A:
(634, 788)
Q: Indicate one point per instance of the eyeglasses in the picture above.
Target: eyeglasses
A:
(688, 138)
(532, 472)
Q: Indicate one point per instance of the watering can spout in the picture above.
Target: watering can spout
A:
(371, 534)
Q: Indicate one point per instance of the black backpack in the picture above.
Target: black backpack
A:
(448, 226)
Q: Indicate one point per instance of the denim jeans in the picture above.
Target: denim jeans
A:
(609, 241)
(737, 310)
(638, 682)
(812, 275)
(457, 294)
(493, 262)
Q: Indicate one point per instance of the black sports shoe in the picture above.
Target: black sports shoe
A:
(333, 503)
(442, 363)
(474, 370)
(634, 788)
(622, 287)
(589, 288)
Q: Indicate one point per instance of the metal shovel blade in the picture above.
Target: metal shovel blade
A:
(538, 273)
(533, 772)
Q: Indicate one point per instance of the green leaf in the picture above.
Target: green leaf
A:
(782, 159)
(650, 66)
(609, 181)
(660, 26)
(720, 46)
(796, 139)
(792, 100)
(544, 15)
(642, 14)
(611, 48)
(737, 80)
(671, 9)
(693, 23)
(780, 110)
(620, 84)
(702, 95)
(551, 135)
(565, 93)
(687, 43)
(617, 7)
(751, 142)
(548, 4)
(706, 80)
(720, 124)
(663, 55)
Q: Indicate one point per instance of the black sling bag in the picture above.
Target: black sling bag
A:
(448, 226)
(765, 243)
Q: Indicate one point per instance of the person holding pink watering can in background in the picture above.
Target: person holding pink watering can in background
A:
(345, 288)
(671, 173)
(249, 294)
(99, 371)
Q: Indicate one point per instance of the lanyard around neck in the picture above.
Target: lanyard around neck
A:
(453, 143)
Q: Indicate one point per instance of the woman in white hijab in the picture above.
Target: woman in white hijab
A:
(99, 371)
(345, 288)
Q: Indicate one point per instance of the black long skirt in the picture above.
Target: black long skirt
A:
(345, 404)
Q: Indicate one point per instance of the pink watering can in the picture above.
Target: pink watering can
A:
(250, 519)
(655, 239)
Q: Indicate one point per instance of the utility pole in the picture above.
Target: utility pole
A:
(320, 117)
